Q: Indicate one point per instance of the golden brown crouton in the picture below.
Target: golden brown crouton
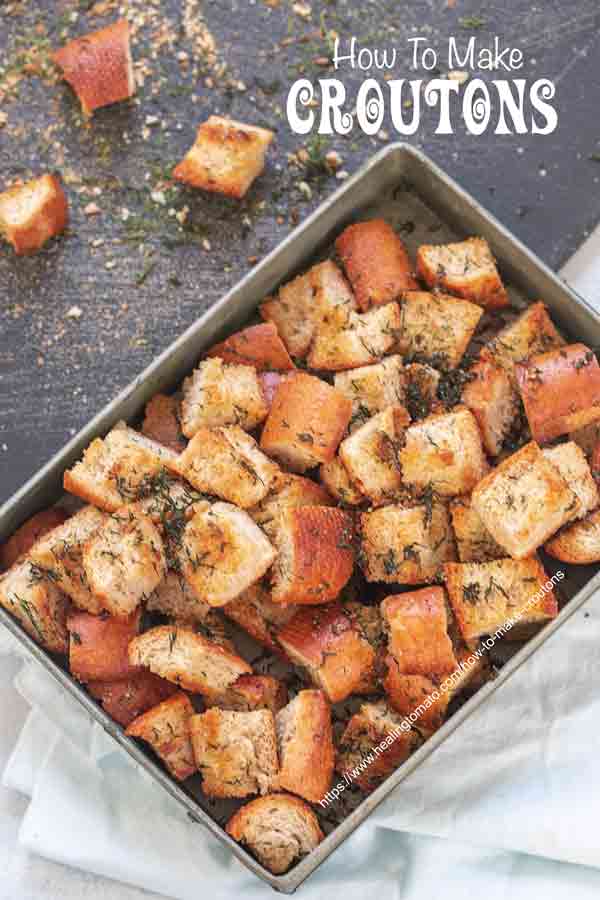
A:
(218, 393)
(127, 698)
(532, 332)
(334, 476)
(278, 829)
(305, 744)
(371, 389)
(98, 646)
(32, 213)
(251, 692)
(226, 157)
(491, 397)
(287, 491)
(37, 603)
(465, 269)
(370, 455)
(362, 339)
(98, 66)
(473, 541)
(523, 501)
(570, 461)
(436, 328)
(31, 531)
(376, 262)
(444, 454)
(256, 613)
(236, 752)
(417, 625)
(166, 728)
(161, 422)
(415, 695)
(259, 346)
(578, 544)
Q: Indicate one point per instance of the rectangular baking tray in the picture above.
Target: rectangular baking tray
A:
(403, 185)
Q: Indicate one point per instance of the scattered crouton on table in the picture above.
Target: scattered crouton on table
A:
(32, 213)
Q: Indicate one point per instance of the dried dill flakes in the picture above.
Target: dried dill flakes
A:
(471, 23)
(418, 405)
(451, 385)
(472, 593)
(390, 564)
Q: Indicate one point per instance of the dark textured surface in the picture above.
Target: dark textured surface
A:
(150, 277)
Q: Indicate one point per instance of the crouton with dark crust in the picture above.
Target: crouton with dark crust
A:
(417, 624)
(99, 646)
(305, 745)
(491, 396)
(251, 692)
(32, 213)
(415, 694)
(127, 698)
(161, 422)
(259, 346)
(166, 728)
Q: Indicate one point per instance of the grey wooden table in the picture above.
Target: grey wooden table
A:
(80, 319)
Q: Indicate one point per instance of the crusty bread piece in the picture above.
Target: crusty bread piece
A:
(436, 327)
(187, 659)
(305, 744)
(252, 692)
(287, 491)
(465, 269)
(306, 422)
(227, 462)
(236, 752)
(222, 553)
(376, 262)
(219, 393)
(417, 624)
(405, 545)
(34, 599)
(361, 340)
(415, 694)
(315, 555)
(523, 501)
(532, 332)
(473, 541)
(578, 544)
(444, 454)
(124, 561)
(587, 437)
(32, 213)
(485, 596)
(278, 829)
(99, 646)
(175, 598)
(493, 400)
(370, 455)
(29, 533)
(259, 346)
(226, 157)
(570, 461)
(421, 390)
(126, 699)
(256, 613)
(166, 728)
(161, 422)
(371, 389)
(325, 642)
(334, 476)
(369, 624)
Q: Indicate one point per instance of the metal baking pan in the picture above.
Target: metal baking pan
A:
(404, 186)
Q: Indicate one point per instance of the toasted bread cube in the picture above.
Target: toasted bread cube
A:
(532, 332)
(325, 642)
(371, 389)
(560, 391)
(124, 561)
(588, 438)
(417, 624)
(370, 455)
(277, 829)
(218, 393)
(362, 340)
(473, 541)
(98, 646)
(570, 461)
(436, 327)
(187, 659)
(227, 462)
(117, 469)
(287, 491)
(98, 66)
(504, 592)
(37, 604)
(578, 544)
(415, 695)
(166, 728)
(222, 552)
(32, 213)
(236, 752)
(175, 598)
(491, 397)
(306, 423)
(334, 476)
(126, 699)
(305, 743)
(251, 692)
(376, 262)
(257, 614)
(444, 453)
(161, 422)
(466, 269)
(401, 545)
(421, 390)
(226, 157)
(315, 555)
(364, 737)
(29, 533)
(523, 501)
(259, 346)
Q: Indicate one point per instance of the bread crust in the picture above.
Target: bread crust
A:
(578, 544)
(99, 645)
(166, 728)
(127, 698)
(370, 455)
(259, 346)
(161, 422)
(306, 745)
(473, 541)
(23, 539)
(257, 614)
(33, 213)
(287, 491)
(436, 327)
(418, 638)
(465, 269)
(493, 400)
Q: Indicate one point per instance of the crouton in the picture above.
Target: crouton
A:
(504, 592)
(124, 561)
(560, 391)
(251, 692)
(415, 695)
(305, 744)
(315, 555)
(161, 422)
(259, 346)
(523, 501)
(417, 625)
(227, 462)
(255, 612)
(31, 531)
(37, 604)
(218, 393)
(578, 544)
(374, 724)
(236, 752)
(187, 659)
(473, 541)
(226, 158)
(570, 461)
(32, 213)
(401, 545)
(98, 646)
(126, 699)
(306, 422)
(444, 454)
(491, 397)
(465, 269)
(166, 728)
(287, 492)
(436, 328)
(376, 262)
(222, 552)
(369, 624)
(325, 642)
(363, 339)
(588, 438)
(532, 332)
(334, 476)
(421, 390)
(117, 469)
(371, 389)
(277, 829)
(174, 598)
(370, 455)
